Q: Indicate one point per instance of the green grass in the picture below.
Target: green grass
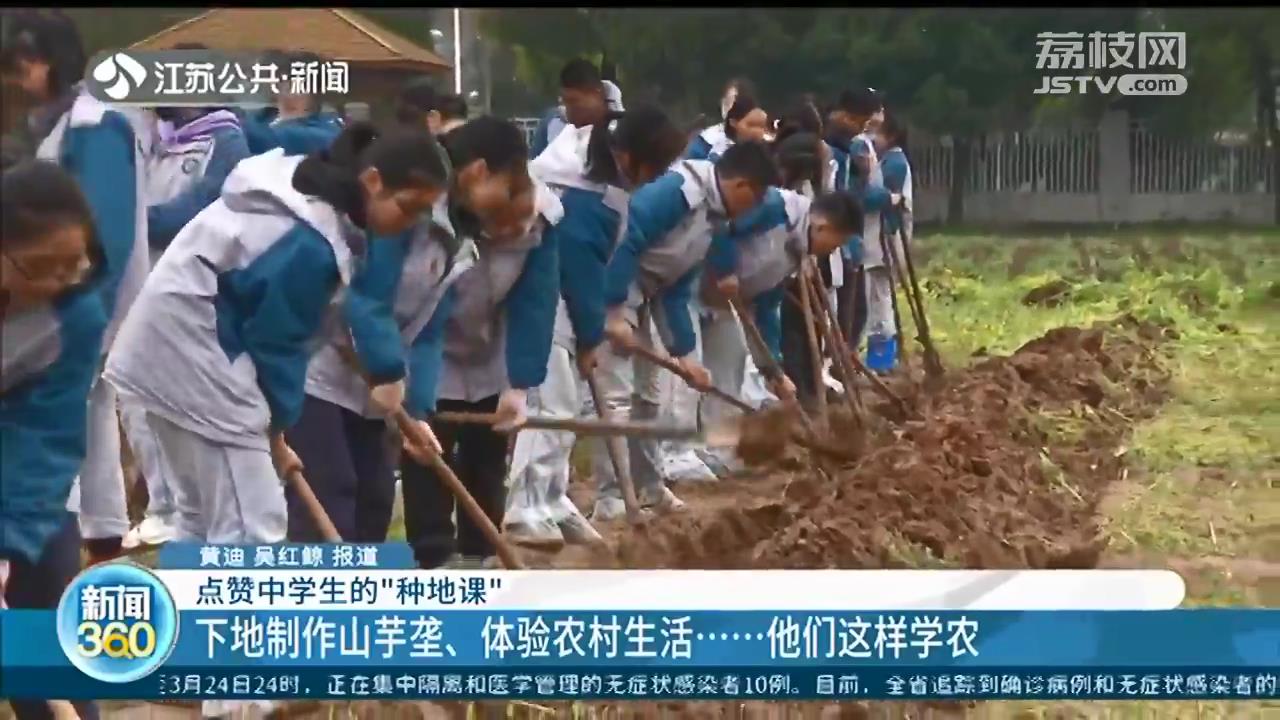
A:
(1209, 457)
(1203, 494)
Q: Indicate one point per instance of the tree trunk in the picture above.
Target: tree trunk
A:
(1265, 83)
(960, 155)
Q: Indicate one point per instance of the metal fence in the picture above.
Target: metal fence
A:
(1117, 172)
(1164, 165)
(529, 126)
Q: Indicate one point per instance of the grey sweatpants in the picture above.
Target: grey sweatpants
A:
(630, 387)
(222, 493)
(98, 493)
(146, 453)
(538, 480)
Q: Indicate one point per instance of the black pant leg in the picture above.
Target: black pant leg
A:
(797, 360)
(40, 586)
(428, 504)
(320, 440)
(482, 454)
(375, 479)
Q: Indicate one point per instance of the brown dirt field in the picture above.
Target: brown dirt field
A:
(974, 479)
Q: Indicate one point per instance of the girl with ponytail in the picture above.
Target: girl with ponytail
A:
(217, 345)
(493, 331)
(592, 169)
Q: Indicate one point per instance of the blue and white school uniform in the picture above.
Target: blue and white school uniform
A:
(265, 131)
(897, 179)
(709, 144)
(880, 329)
(762, 254)
(500, 332)
(217, 345)
(394, 315)
(594, 218)
(184, 174)
(49, 360)
(498, 336)
(652, 275)
(100, 146)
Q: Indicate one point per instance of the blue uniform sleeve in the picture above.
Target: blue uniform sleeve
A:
(722, 257)
(43, 433)
(699, 149)
(541, 133)
(258, 134)
(894, 169)
(368, 306)
(280, 300)
(531, 315)
(768, 312)
(103, 160)
(859, 157)
(425, 358)
(654, 210)
(842, 166)
(296, 137)
(166, 220)
(874, 198)
(675, 307)
(770, 212)
(586, 236)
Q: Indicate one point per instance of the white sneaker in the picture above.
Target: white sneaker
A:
(829, 380)
(663, 501)
(153, 530)
(577, 530)
(684, 466)
(721, 461)
(608, 508)
(536, 534)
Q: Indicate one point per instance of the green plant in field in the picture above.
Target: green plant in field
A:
(1201, 469)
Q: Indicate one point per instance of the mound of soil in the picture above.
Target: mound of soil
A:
(1051, 294)
(980, 478)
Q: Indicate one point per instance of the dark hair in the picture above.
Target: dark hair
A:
(37, 197)
(609, 70)
(861, 102)
(799, 158)
(46, 36)
(644, 132)
(750, 161)
(801, 117)
(404, 157)
(417, 98)
(841, 208)
(499, 143)
(895, 129)
(580, 74)
(741, 84)
(454, 107)
(742, 107)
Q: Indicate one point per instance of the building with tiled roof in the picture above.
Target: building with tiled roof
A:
(381, 61)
